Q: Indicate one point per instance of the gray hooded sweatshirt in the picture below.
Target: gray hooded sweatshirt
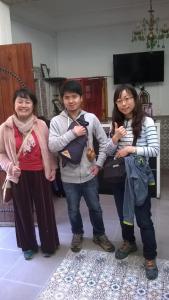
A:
(60, 136)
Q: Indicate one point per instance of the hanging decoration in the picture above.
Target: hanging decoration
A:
(151, 32)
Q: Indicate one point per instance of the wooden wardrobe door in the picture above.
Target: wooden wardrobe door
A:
(16, 71)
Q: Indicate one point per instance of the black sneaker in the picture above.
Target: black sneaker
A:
(103, 242)
(151, 269)
(125, 249)
(76, 244)
(46, 254)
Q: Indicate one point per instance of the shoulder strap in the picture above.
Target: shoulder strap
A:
(134, 141)
(24, 141)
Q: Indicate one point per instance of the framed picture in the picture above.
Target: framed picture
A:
(45, 70)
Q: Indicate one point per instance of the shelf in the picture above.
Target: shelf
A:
(55, 79)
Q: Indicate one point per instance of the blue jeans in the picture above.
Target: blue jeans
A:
(144, 222)
(89, 190)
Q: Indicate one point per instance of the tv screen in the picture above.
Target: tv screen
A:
(138, 67)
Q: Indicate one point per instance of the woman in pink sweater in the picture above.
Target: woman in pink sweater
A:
(30, 175)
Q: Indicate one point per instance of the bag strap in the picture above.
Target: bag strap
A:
(134, 141)
(24, 141)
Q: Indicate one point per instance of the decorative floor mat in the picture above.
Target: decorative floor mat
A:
(96, 275)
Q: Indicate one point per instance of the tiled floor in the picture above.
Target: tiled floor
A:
(23, 280)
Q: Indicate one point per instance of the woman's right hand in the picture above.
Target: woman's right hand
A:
(119, 132)
(16, 171)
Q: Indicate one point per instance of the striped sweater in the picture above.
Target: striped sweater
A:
(147, 144)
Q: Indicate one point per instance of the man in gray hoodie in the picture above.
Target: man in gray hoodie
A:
(79, 178)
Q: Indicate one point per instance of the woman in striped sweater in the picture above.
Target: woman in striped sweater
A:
(129, 122)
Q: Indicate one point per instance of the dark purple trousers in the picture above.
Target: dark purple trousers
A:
(33, 195)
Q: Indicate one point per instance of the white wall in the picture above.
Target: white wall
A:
(43, 45)
(5, 24)
(89, 52)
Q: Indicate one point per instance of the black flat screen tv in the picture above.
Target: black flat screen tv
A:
(138, 67)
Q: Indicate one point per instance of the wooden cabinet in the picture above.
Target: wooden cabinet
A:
(95, 96)
(16, 71)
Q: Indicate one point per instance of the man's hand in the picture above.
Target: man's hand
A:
(95, 170)
(79, 130)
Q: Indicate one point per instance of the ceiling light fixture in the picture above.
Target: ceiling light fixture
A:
(150, 31)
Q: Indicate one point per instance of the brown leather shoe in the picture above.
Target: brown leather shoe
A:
(76, 244)
(103, 242)
(151, 269)
(125, 249)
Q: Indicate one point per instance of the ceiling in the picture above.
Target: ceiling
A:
(60, 15)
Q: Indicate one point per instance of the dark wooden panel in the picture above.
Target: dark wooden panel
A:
(16, 71)
(95, 96)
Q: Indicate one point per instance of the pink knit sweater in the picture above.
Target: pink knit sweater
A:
(8, 157)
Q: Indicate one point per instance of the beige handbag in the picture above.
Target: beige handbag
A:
(6, 191)
(6, 187)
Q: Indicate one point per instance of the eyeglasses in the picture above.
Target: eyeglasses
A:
(126, 100)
